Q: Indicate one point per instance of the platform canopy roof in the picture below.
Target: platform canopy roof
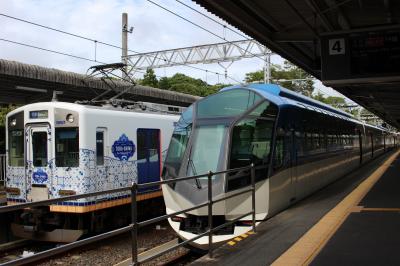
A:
(23, 83)
(313, 34)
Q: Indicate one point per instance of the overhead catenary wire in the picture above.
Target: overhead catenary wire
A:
(214, 20)
(201, 27)
(51, 51)
(72, 56)
(102, 43)
(57, 52)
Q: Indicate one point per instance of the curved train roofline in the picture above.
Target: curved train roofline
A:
(284, 97)
(82, 108)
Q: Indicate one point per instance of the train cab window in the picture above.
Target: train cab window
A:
(16, 147)
(178, 144)
(206, 152)
(251, 143)
(39, 149)
(227, 103)
(100, 147)
(67, 147)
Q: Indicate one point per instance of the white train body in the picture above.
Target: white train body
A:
(56, 149)
(298, 146)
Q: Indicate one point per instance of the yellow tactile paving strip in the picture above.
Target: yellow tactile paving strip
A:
(309, 245)
(235, 240)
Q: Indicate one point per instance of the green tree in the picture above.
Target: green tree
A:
(164, 83)
(4, 110)
(149, 79)
(185, 84)
(288, 76)
(337, 102)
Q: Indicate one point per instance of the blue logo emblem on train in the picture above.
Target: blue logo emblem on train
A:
(123, 148)
(39, 176)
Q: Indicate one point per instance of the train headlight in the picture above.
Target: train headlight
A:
(70, 118)
(14, 122)
(177, 219)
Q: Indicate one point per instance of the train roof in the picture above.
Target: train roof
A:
(281, 96)
(142, 107)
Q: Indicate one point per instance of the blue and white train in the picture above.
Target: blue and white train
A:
(298, 144)
(56, 149)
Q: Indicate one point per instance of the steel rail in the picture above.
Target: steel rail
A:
(58, 250)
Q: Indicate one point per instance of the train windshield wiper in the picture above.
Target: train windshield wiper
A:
(191, 164)
(198, 184)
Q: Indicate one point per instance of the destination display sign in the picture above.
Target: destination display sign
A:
(375, 53)
(42, 114)
(360, 56)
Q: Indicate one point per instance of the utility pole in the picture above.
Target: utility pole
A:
(125, 44)
(267, 69)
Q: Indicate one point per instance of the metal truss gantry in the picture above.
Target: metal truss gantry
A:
(201, 54)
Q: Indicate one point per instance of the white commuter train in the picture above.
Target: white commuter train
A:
(56, 149)
(297, 144)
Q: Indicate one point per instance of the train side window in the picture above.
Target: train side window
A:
(16, 147)
(67, 146)
(100, 147)
(39, 149)
(251, 142)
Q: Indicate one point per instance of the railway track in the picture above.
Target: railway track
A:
(180, 256)
(20, 248)
(109, 251)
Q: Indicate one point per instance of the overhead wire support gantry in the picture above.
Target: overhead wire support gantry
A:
(200, 54)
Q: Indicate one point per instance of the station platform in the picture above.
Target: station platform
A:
(354, 221)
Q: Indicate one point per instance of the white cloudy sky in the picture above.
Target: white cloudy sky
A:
(154, 29)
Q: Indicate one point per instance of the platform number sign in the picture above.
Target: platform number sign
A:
(336, 46)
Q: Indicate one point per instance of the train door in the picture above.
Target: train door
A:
(372, 145)
(38, 154)
(102, 164)
(148, 156)
(293, 165)
(384, 142)
(361, 147)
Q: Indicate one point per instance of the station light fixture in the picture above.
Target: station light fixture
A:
(23, 88)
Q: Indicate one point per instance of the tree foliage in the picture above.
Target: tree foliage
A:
(180, 83)
(334, 101)
(149, 79)
(4, 110)
(288, 76)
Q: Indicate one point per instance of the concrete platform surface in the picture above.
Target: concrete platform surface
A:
(370, 235)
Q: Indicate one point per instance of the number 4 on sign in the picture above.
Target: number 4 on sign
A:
(336, 46)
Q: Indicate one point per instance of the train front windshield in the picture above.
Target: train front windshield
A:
(226, 130)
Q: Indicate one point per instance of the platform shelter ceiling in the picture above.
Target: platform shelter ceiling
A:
(313, 34)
